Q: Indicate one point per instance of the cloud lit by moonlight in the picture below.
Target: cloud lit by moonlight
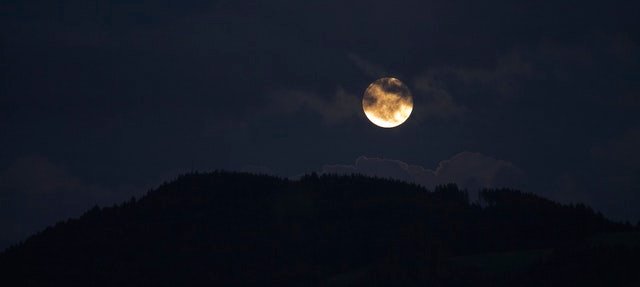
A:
(387, 102)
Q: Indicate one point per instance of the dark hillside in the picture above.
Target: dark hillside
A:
(235, 229)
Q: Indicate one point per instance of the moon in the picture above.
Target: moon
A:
(387, 102)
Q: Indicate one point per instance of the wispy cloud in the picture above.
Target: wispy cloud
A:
(368, 68)
(333, 108)
(439, 89)
(469, 170)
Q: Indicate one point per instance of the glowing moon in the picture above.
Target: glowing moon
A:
(387, 102)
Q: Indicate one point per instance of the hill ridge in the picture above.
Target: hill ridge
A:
(234, 228)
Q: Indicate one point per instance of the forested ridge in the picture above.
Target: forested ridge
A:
(230, 229)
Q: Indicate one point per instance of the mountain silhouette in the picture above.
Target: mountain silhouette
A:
(240, 229)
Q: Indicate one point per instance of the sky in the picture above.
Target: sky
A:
(103, 100)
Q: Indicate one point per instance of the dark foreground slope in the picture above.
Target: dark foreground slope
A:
(235, 229)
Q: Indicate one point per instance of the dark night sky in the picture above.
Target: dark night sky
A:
(101, 100)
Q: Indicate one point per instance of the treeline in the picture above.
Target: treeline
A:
(226, 228)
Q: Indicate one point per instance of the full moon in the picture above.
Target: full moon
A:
(387, 102)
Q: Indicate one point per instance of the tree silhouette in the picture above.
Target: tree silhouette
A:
(225, 228)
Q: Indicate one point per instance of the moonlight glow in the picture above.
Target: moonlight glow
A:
(387, 102)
